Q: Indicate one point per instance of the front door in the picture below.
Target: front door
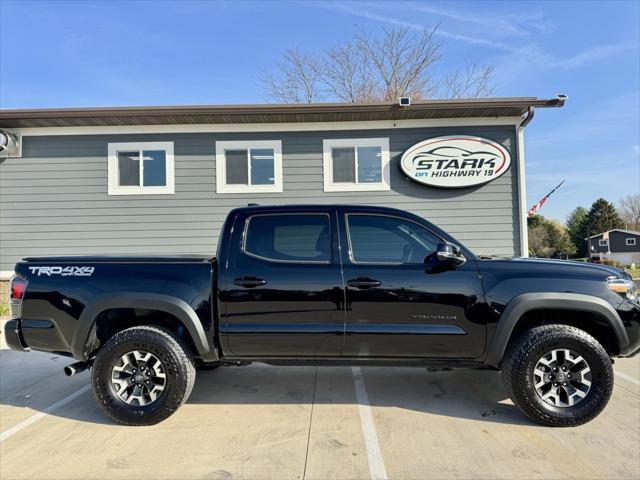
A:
(396, 305)
(284, 294)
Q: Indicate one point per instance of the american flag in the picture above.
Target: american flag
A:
(533, 211)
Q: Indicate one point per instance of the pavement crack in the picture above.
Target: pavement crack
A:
(313, 403)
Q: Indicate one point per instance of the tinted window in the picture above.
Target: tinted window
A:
(303, 237)
(236, 167)
(129, 168)
(378, 239)
(344, 164)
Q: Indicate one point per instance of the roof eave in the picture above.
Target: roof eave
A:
(272, 113)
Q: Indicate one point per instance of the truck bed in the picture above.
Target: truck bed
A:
(120, 259)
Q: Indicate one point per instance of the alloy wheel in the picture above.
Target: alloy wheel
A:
(138, 378)
(562, 378)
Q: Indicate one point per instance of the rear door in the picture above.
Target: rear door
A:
(284, 294)
(396, 306)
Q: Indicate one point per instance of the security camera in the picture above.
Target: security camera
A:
(9, 144)
(404, 101)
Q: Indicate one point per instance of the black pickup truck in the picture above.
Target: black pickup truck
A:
(328, 285)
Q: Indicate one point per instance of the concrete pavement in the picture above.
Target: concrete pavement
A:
(262, 422)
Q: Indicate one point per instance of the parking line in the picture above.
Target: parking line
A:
(627, 378)
(374, 456)
(34, 418)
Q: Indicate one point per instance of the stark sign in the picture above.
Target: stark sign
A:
(455, 161)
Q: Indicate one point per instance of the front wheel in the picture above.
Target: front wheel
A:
(142, 375)
(558, 375)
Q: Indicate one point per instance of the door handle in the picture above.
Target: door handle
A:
(249, 282)
(363, 282)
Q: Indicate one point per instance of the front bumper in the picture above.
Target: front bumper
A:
(13, 336)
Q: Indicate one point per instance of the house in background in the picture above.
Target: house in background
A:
(620, 245)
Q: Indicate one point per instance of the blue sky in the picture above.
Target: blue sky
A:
(66, 54)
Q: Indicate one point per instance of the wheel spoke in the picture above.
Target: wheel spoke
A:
(145, 385)
(562, 377)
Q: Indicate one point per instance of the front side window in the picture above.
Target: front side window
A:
(631, 241)
(382, 239)
(356, 164)
(289, 238)
(246, 167)
(141, 168)
(603, 243)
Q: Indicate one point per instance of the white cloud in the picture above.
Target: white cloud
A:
(524, 55)
(516, 25)
(592, 55)
(384, 18)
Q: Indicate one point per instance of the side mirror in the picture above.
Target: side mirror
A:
(449, 254)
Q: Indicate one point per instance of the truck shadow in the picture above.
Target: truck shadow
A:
(469, 394)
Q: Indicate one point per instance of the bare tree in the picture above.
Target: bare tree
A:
(348, 74)
(474, 80)
(399, 62)
(402, 60)
(629, 208)
(296, 78)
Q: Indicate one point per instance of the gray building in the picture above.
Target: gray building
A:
(160, 180)
(617, 244)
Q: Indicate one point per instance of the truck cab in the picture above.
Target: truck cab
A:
(345, 281)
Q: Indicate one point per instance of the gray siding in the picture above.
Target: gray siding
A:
(54, 199)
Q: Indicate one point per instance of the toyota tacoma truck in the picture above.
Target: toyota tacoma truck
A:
(331, 285)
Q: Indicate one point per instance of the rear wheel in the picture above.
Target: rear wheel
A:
(558, 375)
(142, 375)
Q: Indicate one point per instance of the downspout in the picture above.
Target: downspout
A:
(530, 113)
(522, 186)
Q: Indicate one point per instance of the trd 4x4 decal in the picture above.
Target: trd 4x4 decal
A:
(63, 271)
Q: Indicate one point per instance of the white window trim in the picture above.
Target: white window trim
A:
(330, 186)
(115, 189)
(603, 243)
(221, 168)
(630, 242)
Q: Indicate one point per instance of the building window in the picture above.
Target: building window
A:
(140, 168)
(299, 238)
(603, 243)
(352, 165)
(249, 167)
(631, 242)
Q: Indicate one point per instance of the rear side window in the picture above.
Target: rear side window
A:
(381, 239)
(289, 238)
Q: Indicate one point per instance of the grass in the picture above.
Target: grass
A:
(4, 310)
(634, 272)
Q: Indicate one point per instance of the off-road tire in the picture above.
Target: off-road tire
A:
(177, 360)
(520, 360)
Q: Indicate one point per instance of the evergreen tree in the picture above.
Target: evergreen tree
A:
(602, 217)
(576, 227)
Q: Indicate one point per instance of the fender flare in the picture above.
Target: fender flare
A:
(527, 302)
(152, 301)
